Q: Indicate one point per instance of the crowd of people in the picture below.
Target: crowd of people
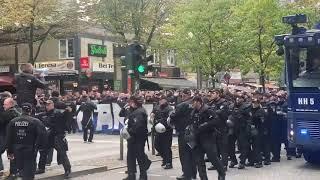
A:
(211, 125)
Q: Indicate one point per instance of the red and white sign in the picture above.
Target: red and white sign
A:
(84, 63)
(4, 69)
(163, 74)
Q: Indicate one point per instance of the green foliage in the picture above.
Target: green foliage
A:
(309, 7)
(220, 35)
(140, 18)
(33, 21)
(257, 23)
(202, 33)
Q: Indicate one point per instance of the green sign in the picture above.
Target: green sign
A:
(117, 85)
(97, 50)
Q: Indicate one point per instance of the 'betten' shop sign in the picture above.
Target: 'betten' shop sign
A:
(102, 67)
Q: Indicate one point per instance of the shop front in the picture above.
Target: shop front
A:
(60, 74)
(99, 76)
(7, 78)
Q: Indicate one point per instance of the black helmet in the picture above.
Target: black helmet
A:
(27, 107)
(137, 99)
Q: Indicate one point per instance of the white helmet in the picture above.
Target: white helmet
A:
(160, 128)
(124, 133)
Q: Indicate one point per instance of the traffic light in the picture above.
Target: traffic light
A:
(143, 66)
(136, 61)
(141, 69)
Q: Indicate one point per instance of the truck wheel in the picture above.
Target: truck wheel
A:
(312, 157)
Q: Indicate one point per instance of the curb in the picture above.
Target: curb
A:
(89, 171)
(77, 173)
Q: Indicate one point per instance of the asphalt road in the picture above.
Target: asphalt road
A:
(295, 169)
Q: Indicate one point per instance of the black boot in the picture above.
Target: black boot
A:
(168, 166)
(275, 160)
(221, 177)
(182, 177)
(131, 176)
(40, 171)
(143, 176)
(258, 165)
(241, 166)
(149, 162)
(267, 163)
(67, 173)
(212, 168)
(232, 164)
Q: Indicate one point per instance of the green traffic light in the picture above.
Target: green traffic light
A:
(141, 69)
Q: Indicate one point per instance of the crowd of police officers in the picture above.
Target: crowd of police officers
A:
(210, 127)
(25, 132)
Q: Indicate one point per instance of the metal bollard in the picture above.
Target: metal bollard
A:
(152, 142)
(121, 148)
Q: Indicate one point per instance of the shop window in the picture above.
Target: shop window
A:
(171, 57)
(156, 56)
(66, 48)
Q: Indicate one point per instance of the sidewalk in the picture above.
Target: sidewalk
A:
(102, 155)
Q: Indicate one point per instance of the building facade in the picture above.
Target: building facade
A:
(81, 61)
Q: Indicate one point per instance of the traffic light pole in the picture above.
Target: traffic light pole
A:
(130, 81)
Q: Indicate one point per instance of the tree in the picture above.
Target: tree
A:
(140, 18)
(257, 24)
(201, 32)
(33, 21)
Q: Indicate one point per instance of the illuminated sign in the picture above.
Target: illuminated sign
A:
(97, 50)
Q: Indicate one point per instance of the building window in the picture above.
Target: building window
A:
(156, 56)
(171, 57)
(66, 48)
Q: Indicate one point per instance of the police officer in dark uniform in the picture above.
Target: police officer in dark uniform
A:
(9, 113)
(221, 107)
(282, 113)
(180, 118)
(138, 131)
(163, 141)
(266, 134)
(87, 107)
(233, 131)
(56, 134)
(27, 84)
(205, 124)
(58, 104)
(24, 138)
(258, 118)
(241, 116)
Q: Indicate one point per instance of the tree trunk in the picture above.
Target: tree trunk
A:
(16, 58)
(262, 61)
(213, 79)
(31, 59)
(199, 78)
(124, 38)
(263, 80)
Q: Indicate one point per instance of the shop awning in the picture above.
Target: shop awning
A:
(254, 85)
(271, 86)
(6, 80)
(244, 89)
(170, 83)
